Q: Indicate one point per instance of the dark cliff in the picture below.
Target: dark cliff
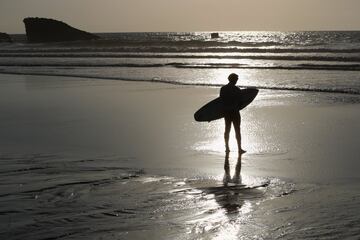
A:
(5, 37)
(50, 30)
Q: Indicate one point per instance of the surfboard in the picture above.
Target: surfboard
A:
(215, 109)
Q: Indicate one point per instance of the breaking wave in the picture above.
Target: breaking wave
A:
(160, 80)
(337, 67)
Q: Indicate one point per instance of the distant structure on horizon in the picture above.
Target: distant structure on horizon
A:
(49, 30)
(215, 35)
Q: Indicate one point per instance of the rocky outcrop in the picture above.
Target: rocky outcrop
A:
(50, 30)
(4, 37)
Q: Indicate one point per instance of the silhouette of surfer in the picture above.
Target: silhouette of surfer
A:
(230, 95)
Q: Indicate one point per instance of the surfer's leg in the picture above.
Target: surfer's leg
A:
(227, 132)
(227, 176)
(237, 177)
(236, 121)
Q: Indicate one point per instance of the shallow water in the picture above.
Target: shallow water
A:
(55, 197)
(58, 197)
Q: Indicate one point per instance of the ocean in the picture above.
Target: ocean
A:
(98, 141)
(306, 61)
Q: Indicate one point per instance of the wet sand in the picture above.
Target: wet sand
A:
(302, 154)
(287, 134)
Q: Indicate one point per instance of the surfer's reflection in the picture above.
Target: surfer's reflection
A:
(227, 177)
(233, 194)
(229, 196)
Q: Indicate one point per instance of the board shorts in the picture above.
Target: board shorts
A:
(232, 115)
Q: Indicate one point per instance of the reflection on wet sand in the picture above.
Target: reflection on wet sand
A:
(232, 195)
(227, 177)
(230, 199)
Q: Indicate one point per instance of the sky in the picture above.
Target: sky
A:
(185, 15)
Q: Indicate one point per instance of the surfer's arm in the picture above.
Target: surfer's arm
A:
(222, 92)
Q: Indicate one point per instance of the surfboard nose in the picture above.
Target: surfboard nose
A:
(197, 116)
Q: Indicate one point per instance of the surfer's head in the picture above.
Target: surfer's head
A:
(233, 78)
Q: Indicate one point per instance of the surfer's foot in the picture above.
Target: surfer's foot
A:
(237, 179)
(241, 151)
(226, 179)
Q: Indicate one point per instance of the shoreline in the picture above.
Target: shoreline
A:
(349, 92)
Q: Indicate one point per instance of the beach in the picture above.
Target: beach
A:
(109, 159)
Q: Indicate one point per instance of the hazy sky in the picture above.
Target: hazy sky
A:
(185, 15)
